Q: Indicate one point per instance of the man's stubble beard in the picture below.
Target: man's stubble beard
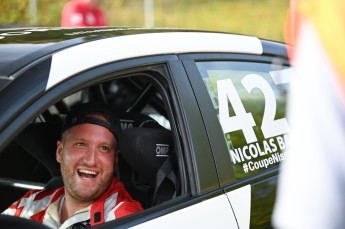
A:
(87, 194)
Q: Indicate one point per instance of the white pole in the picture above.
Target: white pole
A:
(33, 12)
(149, 13)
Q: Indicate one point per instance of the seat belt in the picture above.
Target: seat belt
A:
(165, 171)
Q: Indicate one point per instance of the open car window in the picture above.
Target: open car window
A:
(146, 143)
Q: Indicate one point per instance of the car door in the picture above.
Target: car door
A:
(200, 202)
(242, 99)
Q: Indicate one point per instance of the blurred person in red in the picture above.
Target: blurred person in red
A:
(82, 13)
(311, 185)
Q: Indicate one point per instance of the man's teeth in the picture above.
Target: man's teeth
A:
(87, 172)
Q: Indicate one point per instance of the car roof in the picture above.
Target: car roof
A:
(21, 47)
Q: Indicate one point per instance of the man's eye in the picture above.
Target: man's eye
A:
(104, 148)
(80, 144)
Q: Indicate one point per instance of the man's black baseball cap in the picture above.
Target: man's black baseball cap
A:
(85, 113)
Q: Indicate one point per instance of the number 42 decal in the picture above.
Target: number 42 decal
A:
(243, 120)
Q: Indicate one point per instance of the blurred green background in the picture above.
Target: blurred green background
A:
(262, 18)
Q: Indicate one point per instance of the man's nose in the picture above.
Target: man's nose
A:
(90, 156)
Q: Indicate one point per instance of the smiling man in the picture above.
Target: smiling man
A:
(87, 153)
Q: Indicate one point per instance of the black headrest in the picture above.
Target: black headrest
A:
(39, 140)
(130, 119)
(145, 149)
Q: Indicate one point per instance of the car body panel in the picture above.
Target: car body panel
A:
(241, 204)
(198, 215)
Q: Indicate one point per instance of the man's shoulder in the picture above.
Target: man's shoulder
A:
(45, 195)
(33, 201)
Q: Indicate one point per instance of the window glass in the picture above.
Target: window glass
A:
(250, 101)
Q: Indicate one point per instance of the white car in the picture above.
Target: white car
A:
(216, 103)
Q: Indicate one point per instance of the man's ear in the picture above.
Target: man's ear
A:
(59, 147)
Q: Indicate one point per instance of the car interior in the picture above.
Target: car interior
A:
(148, 164)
